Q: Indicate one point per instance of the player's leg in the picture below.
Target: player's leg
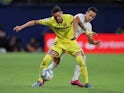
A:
(83, 69)
(76, 52)
(76, 75)
(45, 62)
(56, 62)
(82, 66)
(54, 51)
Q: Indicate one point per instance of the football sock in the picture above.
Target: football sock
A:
(46, 60)
(77, 71)
(52, 66)
(83, 68)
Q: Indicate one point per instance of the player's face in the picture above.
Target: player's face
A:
(90, 15)
(58, 16)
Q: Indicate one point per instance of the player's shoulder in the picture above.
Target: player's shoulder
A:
(80, 15)
(50, 19)
(47, 19)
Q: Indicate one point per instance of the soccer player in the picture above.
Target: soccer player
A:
(64, 26)
(83, 25)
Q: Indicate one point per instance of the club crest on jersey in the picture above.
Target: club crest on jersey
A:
(64, 24)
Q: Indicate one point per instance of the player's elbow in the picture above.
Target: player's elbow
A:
(90, 42)
(34, 22)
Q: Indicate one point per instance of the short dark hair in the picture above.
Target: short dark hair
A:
(92, 9)
(55, 9)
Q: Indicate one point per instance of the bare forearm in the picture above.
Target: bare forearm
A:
(30, 23)
(91, 40)
(75, 27)
(82, 26)
(94, 42)
(75, 24)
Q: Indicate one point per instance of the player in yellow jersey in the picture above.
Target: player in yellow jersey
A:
(64, 26)
(83, 25)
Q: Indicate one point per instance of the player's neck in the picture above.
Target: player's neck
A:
(59, 22)
(85, 18)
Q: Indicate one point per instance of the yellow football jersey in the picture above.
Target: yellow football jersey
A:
(64, 31)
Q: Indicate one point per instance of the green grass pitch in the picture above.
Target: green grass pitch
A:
(18, 71)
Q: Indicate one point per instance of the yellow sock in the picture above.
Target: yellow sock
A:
(83, 68)
(46, 60)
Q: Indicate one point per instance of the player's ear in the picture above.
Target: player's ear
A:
(61, 12)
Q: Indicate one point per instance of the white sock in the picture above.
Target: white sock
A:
(77, 71)
(52, 66)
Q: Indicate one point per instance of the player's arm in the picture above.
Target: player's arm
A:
(30, 23)
(75, 24)
(87, 32)
(92, 41)
(82, 26)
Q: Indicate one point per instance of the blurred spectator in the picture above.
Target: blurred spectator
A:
(15, 44)
(3, 40)
(5, 2)
(34, 46)
(119, 30)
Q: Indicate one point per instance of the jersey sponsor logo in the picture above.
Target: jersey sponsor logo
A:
(64, 24)
(61, 28)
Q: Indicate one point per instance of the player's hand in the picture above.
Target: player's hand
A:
(98, 43)
(87, 32)
(17, 28)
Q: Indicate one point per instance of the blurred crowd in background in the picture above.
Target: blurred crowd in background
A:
(14, 44)
(11, 41)
(61, 1)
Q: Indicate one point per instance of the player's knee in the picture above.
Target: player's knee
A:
(56, 60)
(84, 58)
(46, 60)
(80, 61)
(43, 65)
(77, 54)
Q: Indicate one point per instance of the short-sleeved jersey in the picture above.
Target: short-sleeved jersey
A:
(64, 30)
(87, 25)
